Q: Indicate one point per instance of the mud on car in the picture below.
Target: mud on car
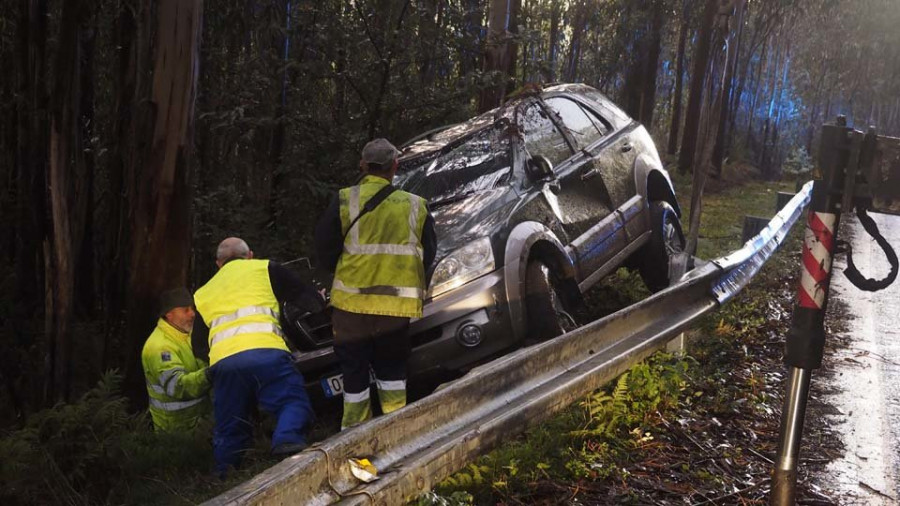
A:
(534, 203)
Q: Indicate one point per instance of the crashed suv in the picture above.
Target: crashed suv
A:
(534, 202)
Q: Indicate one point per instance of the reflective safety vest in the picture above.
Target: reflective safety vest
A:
(380, 270)
(240, 309)
(176, 379)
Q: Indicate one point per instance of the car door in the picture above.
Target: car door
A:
(542, 137)
(601, 237)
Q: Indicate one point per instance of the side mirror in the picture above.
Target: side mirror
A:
(538, 168)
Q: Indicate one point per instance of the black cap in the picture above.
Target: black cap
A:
(176, 297)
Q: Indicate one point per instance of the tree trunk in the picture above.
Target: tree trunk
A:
(159, 189)
(468, 53)
(69, 193)
(498, 47)
(695, 102)
(648, 92)
(709, 120)
(718, 154)
(578, 25)
(550, 70)
(679, 78)
(31, 174)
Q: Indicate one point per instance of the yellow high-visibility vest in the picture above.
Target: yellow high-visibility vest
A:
(380, 270)
(176, 380)
(240, 309)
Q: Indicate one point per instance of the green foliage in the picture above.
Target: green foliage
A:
(646, 389)
(590, 440)
(93, 451)
(798, 162)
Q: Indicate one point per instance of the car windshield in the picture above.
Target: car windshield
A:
(478, 163)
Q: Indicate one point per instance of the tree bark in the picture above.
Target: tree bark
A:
(698, 75)
(69, 193)
(159, 189)
(550, 70)
(679, 78)
(498, 47)
(578, 25)
(648, 92)
(31, 177)
(468, 54)
(718, 154)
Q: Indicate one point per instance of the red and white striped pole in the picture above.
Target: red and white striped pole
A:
(818, 253)
(805, 343)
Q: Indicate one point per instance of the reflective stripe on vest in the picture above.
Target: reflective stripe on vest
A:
(410, 292)
(242, 312)
(391, 384)
(168, 375)
(175, 406)
(355, 248)
(357, 397)
(247, 328)
(238, 301)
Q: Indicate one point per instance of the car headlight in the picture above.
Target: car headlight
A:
(463, 265)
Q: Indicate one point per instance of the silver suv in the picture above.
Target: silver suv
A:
(534, 202)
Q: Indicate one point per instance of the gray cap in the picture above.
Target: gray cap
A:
(177, 297)
(379, 151)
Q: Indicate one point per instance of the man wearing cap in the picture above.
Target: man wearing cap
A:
(379, 242)
(250, 363)
(176, 380)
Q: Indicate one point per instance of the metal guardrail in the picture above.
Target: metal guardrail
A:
(418, 446)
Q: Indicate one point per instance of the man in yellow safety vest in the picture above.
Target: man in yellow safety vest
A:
(379, 242)
(177, 381)
(250, 363)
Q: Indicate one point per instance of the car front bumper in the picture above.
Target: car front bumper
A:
(436, 349)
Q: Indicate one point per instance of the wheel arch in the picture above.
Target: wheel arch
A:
(528, 241)
(652, 181)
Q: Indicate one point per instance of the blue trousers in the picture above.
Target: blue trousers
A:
(265, 377)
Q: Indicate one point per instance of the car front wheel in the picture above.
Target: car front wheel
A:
(666, 240)
(546, 314)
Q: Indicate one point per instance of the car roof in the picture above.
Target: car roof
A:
(441, 138)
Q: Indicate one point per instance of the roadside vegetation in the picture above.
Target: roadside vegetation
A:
(697, 428)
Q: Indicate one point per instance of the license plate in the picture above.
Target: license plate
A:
(333, 386)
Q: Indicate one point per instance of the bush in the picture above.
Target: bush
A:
(94, 451)
(798, 162)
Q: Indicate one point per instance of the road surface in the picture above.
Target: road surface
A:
(866, 375)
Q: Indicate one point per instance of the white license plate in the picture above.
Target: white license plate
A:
(333, 386)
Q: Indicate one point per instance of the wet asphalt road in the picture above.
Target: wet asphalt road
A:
(867, 375)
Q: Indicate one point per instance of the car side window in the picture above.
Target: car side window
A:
(541, 135)
(580, 123)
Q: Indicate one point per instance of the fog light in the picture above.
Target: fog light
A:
(469, 335)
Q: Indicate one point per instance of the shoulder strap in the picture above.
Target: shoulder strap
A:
(370, 205)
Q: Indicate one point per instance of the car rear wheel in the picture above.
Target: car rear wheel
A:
(666, 240)
(546, 315)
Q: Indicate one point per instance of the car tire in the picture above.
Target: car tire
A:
(546, 315)
(666, 240)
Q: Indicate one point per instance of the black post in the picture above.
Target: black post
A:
(806, 338)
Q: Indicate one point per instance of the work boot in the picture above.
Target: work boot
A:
(286, 449)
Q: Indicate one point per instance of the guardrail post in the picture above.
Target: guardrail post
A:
(781, 199)
(752, 226)
(805, 341)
